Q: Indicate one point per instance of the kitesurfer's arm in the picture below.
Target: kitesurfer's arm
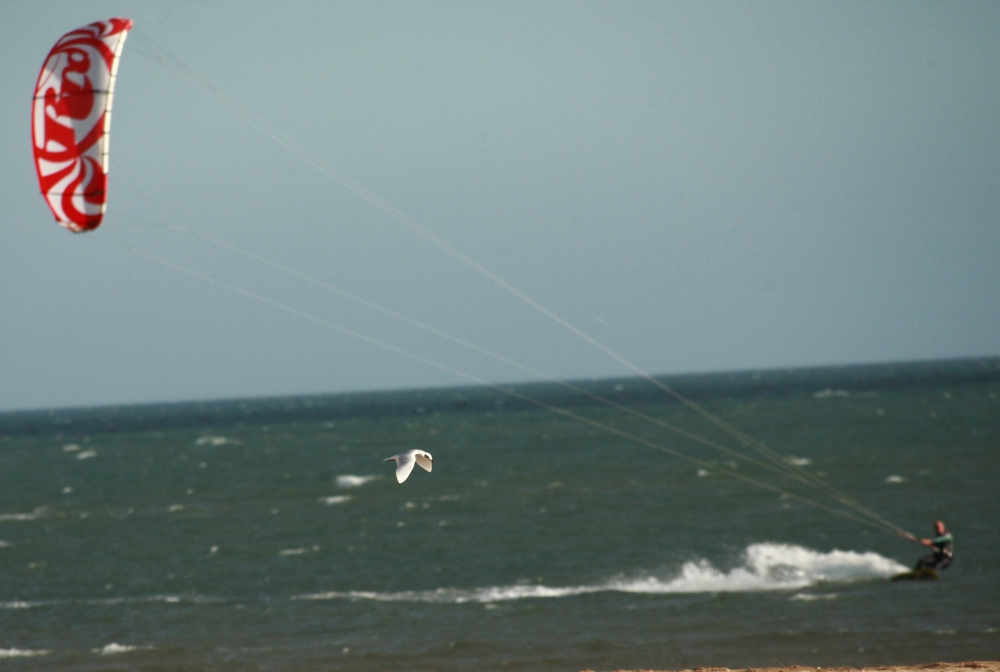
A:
(936, 541)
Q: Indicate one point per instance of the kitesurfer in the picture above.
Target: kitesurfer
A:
(943, 547)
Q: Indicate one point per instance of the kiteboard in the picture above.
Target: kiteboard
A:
(917, 575)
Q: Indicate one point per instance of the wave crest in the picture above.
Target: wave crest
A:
(22, 653)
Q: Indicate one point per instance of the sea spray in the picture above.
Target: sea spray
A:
(767, 566)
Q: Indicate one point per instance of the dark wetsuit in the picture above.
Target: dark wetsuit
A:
(943, 552)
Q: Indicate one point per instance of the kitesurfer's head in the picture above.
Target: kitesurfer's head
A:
(939, 528)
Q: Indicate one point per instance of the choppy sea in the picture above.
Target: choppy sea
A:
(268, 534)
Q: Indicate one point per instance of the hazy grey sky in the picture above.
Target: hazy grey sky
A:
(700, 186)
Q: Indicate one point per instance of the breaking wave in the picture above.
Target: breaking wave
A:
(352, 481)
(215, 441)
(766, 567)
(113, 649)
(19, 604)
(22, 653)
(34, 515)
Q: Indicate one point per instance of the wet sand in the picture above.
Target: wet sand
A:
(970, 666)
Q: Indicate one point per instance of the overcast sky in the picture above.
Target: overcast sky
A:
(698, 186)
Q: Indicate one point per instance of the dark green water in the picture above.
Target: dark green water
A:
(226, 536)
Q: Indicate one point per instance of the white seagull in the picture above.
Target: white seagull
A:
(404, 462)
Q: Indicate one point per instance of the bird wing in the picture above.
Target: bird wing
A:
(425, 461)
(404, 465)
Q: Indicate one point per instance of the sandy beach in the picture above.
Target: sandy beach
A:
(984, 665)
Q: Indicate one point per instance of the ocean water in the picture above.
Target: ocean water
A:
(269, 535)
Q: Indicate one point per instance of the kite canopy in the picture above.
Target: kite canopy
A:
(70, 120)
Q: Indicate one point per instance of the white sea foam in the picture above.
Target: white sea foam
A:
(457, 595)
(18, 604)
(812, 597)
(113, 648)
(350, 481)
(894, 478)
(827, 393)
(5, 544)
(34, 515)
(215, 441)
(86, 455)
(766, 567)
(166, 599)
(22, 653)
(337, 499)
(115, 601)
(798, 461)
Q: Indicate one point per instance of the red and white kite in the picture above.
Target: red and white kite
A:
(70, 120)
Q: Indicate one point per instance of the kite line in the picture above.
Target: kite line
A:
(767, 457)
